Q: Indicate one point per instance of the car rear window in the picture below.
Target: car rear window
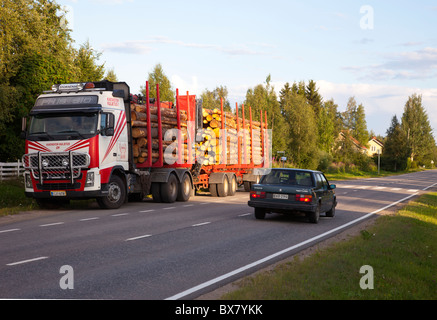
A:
(288, 177)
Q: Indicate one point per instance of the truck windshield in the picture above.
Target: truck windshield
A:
(74, 126)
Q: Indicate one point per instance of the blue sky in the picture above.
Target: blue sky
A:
(379, 52)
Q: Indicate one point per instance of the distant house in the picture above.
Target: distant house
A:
(375, 147)
(357, 146)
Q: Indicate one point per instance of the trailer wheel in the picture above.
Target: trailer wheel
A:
(169, 190)
(185, 189)
(213, 189)
(223, 188)
(116, 194)
(156, 191)
(233, 186)
(247, 186)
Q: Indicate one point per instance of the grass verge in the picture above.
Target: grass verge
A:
(401, 249)
(13, 199)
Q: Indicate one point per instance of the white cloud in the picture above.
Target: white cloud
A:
(143, 46)
(381, 102)
(411, 65)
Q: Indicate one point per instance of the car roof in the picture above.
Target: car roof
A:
(295, 169)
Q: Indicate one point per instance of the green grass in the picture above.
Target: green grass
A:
(401, 249)
(12, 198)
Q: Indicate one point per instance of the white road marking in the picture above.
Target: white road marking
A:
(88, 219)
(169, 208)
(188, 205)
(245, 214)
(119, 214)
(10, 230)
(139, 237)
(26, 261)
(200, 224)
(51, 224)
(147, 211)
(277, 254)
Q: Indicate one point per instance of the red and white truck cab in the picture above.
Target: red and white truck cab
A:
(77, 144)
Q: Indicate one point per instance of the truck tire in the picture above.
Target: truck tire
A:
(169, 190)
(213, 189)
(223, 188)
(247, 186)
(156, 192)
(185, 189)
(233, 186)
(116, 194)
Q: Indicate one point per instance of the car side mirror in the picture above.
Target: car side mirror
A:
(332, 186)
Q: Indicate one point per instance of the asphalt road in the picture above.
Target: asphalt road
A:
(157, 251)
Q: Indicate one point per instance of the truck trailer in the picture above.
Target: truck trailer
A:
(97, 140)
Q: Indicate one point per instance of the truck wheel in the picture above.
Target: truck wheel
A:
(156, 191)
(169, 190)
(233, 186)
(213, 189)
(116, 194)
(247, 186)
(185, 189)
(260, 213)
(313, 217)
(223, 188)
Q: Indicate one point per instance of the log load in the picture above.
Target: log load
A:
(211, 147)
(169, 121)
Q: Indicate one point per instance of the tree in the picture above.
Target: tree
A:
(111, 76)
(354, 120)
(86, 60)
(328, 128)
(314, 98)
(157, 76)
(211, 99)
(417, 129)
(301, 133)
(263, 98)
(396, 150)
(35, 52)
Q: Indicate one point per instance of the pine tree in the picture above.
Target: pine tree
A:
(396, 150)
(415, 124)
(157, 76)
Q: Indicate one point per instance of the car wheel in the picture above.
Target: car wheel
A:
(260, 213)
(331, 213)
(313, 217)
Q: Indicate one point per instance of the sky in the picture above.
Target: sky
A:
(379, 52)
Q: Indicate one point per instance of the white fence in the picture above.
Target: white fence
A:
(11, 170)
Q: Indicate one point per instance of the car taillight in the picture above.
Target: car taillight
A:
(257, 194)
(304, 197)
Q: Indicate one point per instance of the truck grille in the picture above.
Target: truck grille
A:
(56, 165)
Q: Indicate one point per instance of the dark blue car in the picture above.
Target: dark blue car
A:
(293, 190)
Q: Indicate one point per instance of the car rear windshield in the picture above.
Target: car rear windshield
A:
(288, 177)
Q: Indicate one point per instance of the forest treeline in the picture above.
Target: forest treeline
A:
(36, 51)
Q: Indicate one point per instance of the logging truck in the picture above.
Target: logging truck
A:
(97, 140)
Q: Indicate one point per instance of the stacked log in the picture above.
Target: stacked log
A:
(211, 147)
(169, 121)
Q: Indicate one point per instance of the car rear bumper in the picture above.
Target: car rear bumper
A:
(282, 207)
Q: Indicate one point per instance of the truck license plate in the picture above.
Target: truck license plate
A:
(280, 196)
(58, 193)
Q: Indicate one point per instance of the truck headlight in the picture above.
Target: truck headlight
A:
(89, 179)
